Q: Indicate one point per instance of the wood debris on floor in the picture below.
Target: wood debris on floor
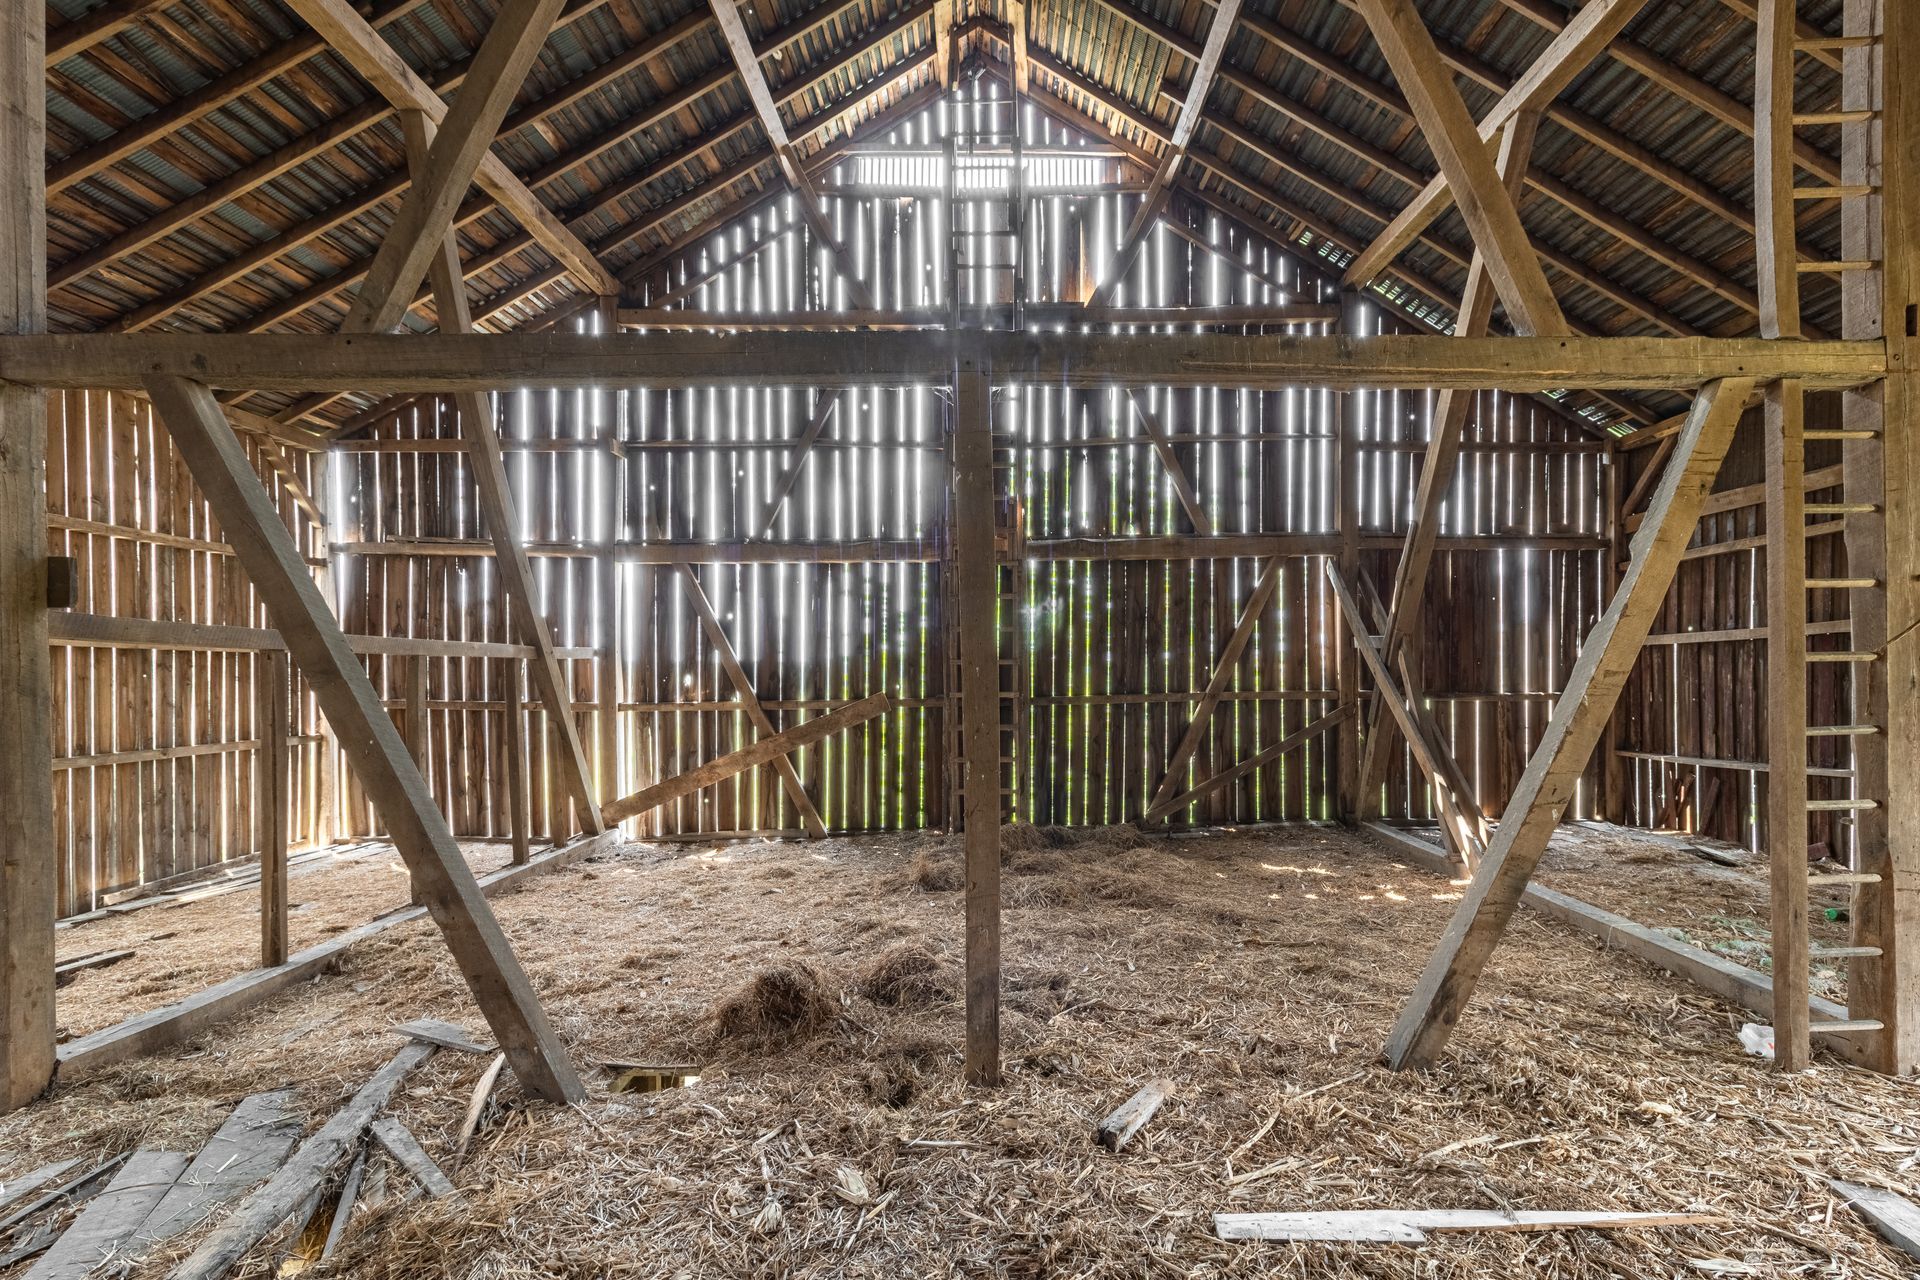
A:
(1410, 1226)
(1253, 969)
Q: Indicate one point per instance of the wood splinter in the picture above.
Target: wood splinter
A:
(1131, 1116)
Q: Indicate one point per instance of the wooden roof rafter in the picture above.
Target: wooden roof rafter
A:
(575, 220)
(747, 62)
(1556, 188)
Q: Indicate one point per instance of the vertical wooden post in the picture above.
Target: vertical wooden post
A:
(270, 804)
(606, 572)
(977, 579)
(515, 747)
(1787, 718)
(326, 800)
(1346, 470)
(314, 641)
(1613, 773)
(415, 714)
(27, 871)
(1884, 153)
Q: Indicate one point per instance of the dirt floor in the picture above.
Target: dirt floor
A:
(1258, 971)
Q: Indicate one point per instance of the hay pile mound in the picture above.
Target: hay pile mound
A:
(905, 975)
(784, 1003)
(936, 871)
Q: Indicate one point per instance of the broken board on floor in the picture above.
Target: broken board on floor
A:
(1410, 1226)
(250, 1145)
(1896, 1218)
(104, 1228)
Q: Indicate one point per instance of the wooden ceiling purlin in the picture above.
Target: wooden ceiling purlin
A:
(1300, 219)
(1483, 199)
(1571, 51)
(454, 157)
(727, 14)
(887, 118)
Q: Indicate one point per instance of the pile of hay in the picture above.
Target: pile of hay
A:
(905, 975)
(784, 1003)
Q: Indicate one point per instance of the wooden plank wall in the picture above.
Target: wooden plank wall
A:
(392, 491)
(1109, 653)
(154, 749)
(1698, 693)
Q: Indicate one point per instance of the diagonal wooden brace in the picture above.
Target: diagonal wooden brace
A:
(1579, 716)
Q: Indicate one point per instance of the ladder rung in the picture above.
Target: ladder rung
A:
(1843, 264)
(1840, 508)
(1842, 730)
(1840, 806)
(1831, 433)
(1856, 116)
(1848, 1024)
(1842, 953)
(1845, 191)
(1843, 655)
(1835, 42)
(1842, 877)
(1842, 584)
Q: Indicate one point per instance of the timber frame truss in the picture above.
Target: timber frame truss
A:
(1483, 166)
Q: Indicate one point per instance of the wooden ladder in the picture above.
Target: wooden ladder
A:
(984, 149)
(1009, 538)
(1788, 512)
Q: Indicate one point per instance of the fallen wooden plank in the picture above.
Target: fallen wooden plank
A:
(67, 970)
(756, 753)
(147, 1032)
(1409, 1226)
(1131, 1116)
(444, 1034)
(405, 1149)
(264, 1210)
(1748, 988)
(1896, 1218)
(111, 1218)
(476, 1107)
(80, 1187)
(38, 1242)
(12, 1192)
(250, 1144)
(349, 1196)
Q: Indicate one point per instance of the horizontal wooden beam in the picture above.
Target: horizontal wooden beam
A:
(101, 630)
(925, 551)
(1749, 989)
(457, 362)
(1283, 313)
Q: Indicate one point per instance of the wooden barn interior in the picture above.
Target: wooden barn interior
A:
(1035, 638)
